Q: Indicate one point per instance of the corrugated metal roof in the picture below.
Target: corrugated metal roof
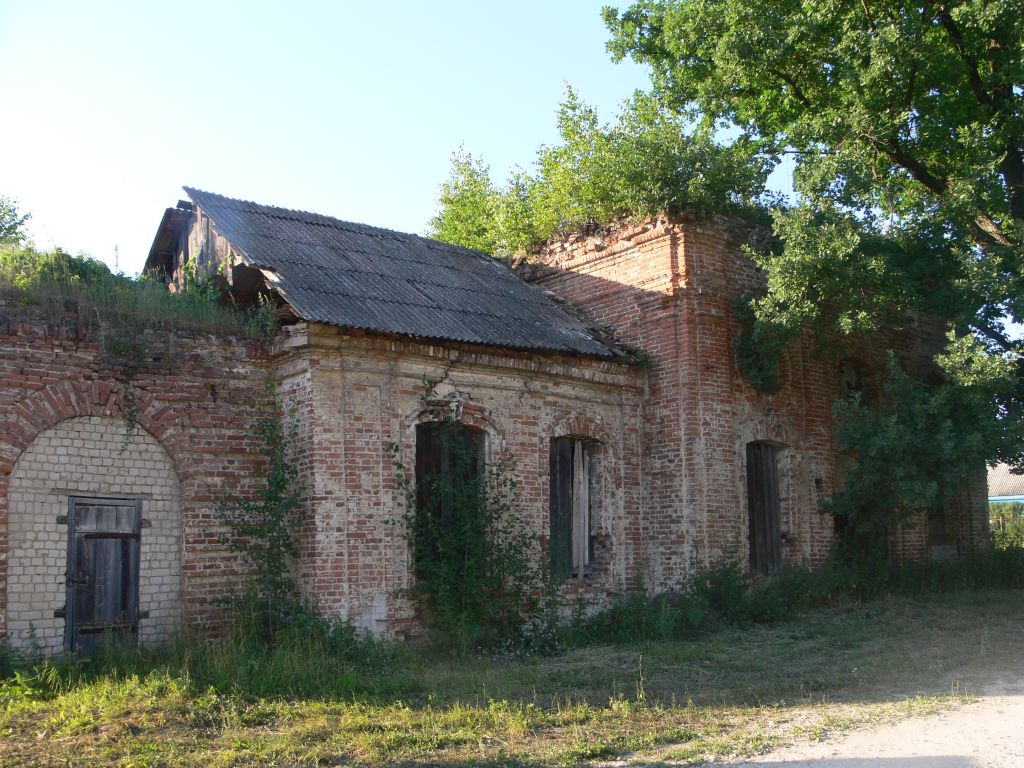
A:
(1002, 482)
(353, 275)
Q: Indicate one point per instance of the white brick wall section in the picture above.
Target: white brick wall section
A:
(85, 456)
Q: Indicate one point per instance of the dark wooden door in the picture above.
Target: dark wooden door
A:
(103, 572)
(764, 509)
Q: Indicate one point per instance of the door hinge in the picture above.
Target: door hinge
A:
(62, 519)
(61, 613)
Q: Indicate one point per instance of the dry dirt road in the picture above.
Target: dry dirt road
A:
(988, 733)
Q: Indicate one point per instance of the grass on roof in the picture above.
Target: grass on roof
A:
(51, 286)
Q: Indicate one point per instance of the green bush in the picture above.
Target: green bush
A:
(479, 575)
(1007, 524)
(640, 617)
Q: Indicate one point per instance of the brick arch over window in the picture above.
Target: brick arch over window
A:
(466, 412)
(585, 426)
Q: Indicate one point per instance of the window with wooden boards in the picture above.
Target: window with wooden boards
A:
(571, 541)
(764, 509)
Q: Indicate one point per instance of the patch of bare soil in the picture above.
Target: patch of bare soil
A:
(988, 733)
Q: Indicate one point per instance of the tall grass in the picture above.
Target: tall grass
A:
(54, 286)
(308, 658)
(323, 695)
(317, 693)
(725, 595)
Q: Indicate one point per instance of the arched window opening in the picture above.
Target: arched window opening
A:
(449, 482)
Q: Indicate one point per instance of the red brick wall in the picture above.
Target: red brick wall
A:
(668, 287)
(673, 436)
(348, 398)
(196, 400)
(354, 395)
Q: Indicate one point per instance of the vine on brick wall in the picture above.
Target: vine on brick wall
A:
(479, 574)
(131, 414)
(260, 527)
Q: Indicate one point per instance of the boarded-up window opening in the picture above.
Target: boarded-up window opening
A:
(764, 509)
(445, 452)
(571, 541)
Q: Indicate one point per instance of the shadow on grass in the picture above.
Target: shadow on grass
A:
(316, 700)
(852, 652)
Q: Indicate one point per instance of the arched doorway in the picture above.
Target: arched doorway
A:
(94, 537)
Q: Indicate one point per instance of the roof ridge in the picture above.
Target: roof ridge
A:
(347, 224)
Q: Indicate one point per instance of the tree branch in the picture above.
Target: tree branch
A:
(791, 82)
(1000, 338)
(986, 228)
(1012, 165)
(1012, 168)
(934, 183)
(957, 39)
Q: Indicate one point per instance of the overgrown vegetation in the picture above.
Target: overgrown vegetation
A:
(262, 527)
(479, 575)
(726, 595)
(906, 124)
(759, 347)
(325, 695)
(1007, 523)
(898, 473)
(130, 315)
(648, 161)
(907, 135)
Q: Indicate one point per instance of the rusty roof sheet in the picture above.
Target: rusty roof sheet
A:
(353, 275)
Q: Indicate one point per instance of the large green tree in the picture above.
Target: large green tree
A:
(906, 121)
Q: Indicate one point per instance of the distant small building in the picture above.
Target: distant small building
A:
(1004, 485)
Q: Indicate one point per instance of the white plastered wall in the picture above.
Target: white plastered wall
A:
(87, 456)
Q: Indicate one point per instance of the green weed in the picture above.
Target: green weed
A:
(325, 694)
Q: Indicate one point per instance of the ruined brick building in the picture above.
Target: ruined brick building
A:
(605, 371)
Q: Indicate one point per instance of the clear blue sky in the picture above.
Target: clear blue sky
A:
(349, 109)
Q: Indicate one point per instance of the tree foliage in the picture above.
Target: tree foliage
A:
(1007, 525)
(12, 222)
(907, 126)
(916, 439)
(648, 161)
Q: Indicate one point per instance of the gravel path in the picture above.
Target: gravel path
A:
(986, 734)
